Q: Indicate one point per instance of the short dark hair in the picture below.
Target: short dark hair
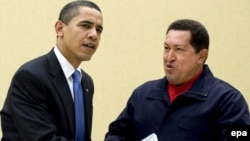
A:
(199, 35)
(72, 9)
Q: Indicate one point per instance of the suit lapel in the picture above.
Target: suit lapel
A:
(88, 97)
(62, 87)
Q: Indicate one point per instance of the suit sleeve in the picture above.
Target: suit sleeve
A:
(28, 109)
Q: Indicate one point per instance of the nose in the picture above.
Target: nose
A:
(169, 56)
(93, 34)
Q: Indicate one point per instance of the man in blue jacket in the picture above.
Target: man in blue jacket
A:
(189, 104)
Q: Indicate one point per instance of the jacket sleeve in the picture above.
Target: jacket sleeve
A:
(233, 111)
(122, 129)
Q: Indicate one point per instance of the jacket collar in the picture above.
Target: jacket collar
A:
(198, 91)
(202, 85)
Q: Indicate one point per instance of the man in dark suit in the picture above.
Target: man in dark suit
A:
(40, 100)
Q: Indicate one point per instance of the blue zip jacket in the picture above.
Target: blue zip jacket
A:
(201, 114)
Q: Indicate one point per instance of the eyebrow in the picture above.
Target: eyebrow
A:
(175, 45)
(165, 44)
(89, 22)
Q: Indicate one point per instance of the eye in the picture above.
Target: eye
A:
(85, 26)
(99, 30)
(179, 49)
(167, 49)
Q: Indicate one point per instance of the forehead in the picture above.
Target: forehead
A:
(178, 36)
(88, 14)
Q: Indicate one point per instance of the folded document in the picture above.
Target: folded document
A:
(151, 137)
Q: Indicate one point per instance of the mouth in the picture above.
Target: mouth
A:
(169, 67)
(89, 45)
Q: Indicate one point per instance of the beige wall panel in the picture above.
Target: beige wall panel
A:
(131, 48)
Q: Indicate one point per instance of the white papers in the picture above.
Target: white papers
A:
(151, 137)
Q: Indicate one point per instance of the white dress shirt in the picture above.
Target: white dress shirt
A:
(67, 68)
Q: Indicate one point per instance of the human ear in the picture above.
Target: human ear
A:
(203, 56)
(59, 28)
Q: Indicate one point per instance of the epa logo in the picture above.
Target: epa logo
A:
(238, 134)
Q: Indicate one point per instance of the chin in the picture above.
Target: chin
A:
(86, 57)
(171, 81)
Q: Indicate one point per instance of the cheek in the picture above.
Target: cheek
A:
(188, 65)
(184, 64)
(164, 57)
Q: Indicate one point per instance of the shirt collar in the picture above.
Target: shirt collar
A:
(67, 68)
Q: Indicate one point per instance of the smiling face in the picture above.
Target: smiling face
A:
(181, 62)
(79, 39)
